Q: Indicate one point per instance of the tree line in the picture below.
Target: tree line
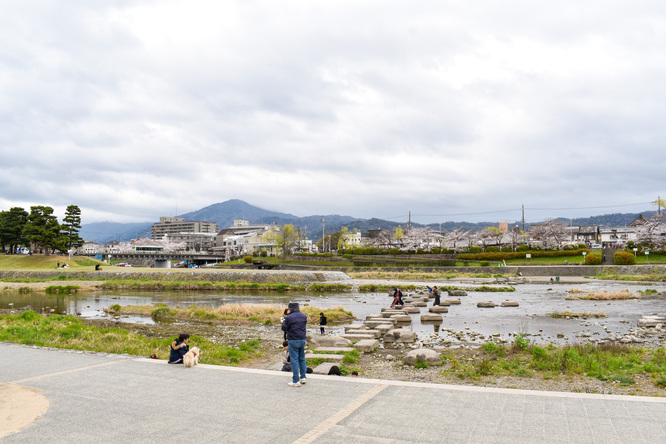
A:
(39, 230)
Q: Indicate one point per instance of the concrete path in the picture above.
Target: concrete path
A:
(75, 397)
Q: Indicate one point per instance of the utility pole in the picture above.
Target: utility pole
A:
(323, 235)
(523, 218)
(409, 220)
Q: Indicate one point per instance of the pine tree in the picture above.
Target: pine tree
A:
(71, 225)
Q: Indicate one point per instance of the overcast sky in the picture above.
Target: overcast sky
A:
(134, 110)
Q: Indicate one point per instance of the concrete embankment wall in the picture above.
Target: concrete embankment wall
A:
(258, 276)
(299, 274)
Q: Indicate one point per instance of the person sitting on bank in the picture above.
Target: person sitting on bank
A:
(178, 349)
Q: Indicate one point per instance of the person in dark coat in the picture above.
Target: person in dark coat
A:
(397, 297)
(295, 324)
(178, 349)
(322, 322)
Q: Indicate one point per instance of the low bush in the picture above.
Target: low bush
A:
(593, 258)
(624, 258)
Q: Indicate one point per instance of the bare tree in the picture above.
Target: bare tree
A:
(551, 232)
(652, 232)
(415, 238)
(455, 237)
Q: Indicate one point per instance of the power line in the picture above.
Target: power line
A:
(588, 208)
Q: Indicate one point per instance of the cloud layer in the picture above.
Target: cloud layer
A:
(138, 109)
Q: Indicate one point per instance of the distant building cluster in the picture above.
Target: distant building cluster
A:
(173, 234)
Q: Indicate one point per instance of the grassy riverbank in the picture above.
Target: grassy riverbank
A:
(610, 362)
(69, 332)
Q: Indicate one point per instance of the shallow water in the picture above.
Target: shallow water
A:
(536, 302)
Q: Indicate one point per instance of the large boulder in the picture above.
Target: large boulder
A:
(400, 335)
(432, 357)
(651, 321)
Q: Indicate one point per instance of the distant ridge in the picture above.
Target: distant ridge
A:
(224, 214)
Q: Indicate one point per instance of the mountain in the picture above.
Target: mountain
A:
(224, 214)
(103, 232)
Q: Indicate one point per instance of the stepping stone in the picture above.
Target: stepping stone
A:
(420, 304)
(457, 293)
(402, 319)
(355, 327)
(453, 301)
(390, 313)
(437, 309)
(488, 304)
(412, 309)
(431, 317)
(372, 333)
(510, 304)
(357, 337)
(379, 319)
(335, 349)
(375, 324)
(327, 341)
(384, 328)
(323, 368)
(324, 356)
(367, 345)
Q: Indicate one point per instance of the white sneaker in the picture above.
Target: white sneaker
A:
(294, 384)
(303, 381)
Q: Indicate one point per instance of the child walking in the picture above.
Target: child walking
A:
(322, 322)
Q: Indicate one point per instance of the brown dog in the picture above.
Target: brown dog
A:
(191, 358)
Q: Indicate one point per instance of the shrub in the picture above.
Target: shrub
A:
(523, 248)
(247, 259)
(506, 249)
(436, 250)
(484, 263)
(394, 251)
(593, 258)
(264, 253)
(624, 258)
(492, 249)
(475, 250)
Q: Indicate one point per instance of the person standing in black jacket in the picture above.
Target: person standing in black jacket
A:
(294, 325)
(322, 322)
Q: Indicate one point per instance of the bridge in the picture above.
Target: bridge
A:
(160, 259)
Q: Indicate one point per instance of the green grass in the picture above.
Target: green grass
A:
(69, 332)
(40, 262)
(610, 362)
(263, 314)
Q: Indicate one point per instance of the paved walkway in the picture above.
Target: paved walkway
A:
(59, 396)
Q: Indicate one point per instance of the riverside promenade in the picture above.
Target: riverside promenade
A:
(62, 396)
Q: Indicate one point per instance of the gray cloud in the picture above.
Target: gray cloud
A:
(131, 109)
